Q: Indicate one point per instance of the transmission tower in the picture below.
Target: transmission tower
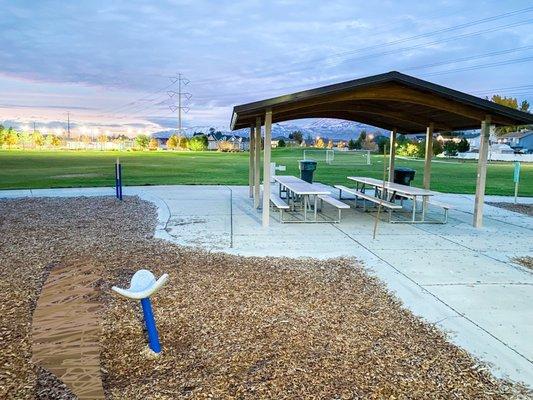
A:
(181, 97)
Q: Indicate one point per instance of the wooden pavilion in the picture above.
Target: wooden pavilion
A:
(394, 101)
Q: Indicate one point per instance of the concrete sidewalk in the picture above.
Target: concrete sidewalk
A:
(459, 278)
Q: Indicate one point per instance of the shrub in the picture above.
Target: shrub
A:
(198, 143)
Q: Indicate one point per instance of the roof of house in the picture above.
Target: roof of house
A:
(518, 135)
(390, 101)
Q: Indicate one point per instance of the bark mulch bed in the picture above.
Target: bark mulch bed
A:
(525, 261)
(231, 327)
(526, 209)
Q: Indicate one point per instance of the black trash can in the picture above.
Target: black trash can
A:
(404, 176)
(307, 169)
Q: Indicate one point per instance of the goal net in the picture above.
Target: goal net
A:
(325, 155)
(339, 157)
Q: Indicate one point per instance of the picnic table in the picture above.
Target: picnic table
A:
(297, 188)
(389, 190)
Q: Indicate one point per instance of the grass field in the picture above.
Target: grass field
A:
(56, 169)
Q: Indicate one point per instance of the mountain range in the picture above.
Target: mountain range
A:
(325, 128)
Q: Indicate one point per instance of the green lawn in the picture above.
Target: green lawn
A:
(49, 169)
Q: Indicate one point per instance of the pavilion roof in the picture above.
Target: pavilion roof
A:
(390, 100)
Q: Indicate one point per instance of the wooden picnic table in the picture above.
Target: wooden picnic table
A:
(389, 190)
(295, 186)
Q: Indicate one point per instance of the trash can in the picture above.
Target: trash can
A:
(404, 176)
(307, 169)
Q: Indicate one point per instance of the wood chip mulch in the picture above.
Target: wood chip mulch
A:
(230, 327)
(526, 209)
(526, 261)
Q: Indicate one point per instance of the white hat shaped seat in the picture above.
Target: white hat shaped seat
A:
(142, 285)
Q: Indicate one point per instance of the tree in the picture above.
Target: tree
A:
(319, 143)
(281, 143)
(352, 144)
(37, 139)
(330, 144)
(198, 143)
(11, 139)
(341, 144)
(182, 142)
(512, 103)
(463, 146)
(383, 143)
(450, 148)
(102, 138)
(142, 141)
(173, 142)
(297, 136)
(437, 147)
(153, 144)
(3, 134)
(55, 141)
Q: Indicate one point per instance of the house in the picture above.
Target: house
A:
(217, 140)
(288, 142)
(519, 141)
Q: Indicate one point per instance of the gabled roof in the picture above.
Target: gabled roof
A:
(518, 135)
(390, 100)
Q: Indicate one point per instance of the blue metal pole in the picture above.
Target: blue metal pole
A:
(120, 180)
(153, 337)
(116, 180)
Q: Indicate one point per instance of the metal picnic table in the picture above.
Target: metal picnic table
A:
(389, 190)
(297, 187)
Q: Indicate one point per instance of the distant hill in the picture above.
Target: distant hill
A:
(326, 128)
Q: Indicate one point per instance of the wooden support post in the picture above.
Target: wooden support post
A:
(266, 168)
(251, 154)
(257, 160)
(429, 156)
(481, 172)
(392, 153)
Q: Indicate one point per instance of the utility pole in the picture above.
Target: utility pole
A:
(182, 98)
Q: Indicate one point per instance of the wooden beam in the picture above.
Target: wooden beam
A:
(266, 168)
(481, 172)
(429, 156)
(257, 161)
(251, 154)
(392, 153)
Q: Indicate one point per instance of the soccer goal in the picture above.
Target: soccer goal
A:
(325, 155)
(339, 157)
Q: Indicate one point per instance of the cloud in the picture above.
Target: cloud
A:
(112, 61)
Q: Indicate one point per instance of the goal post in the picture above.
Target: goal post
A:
(338, 157)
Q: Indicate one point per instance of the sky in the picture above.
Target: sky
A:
(111, 65)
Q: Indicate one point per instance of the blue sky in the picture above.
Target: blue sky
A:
(108, 63)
